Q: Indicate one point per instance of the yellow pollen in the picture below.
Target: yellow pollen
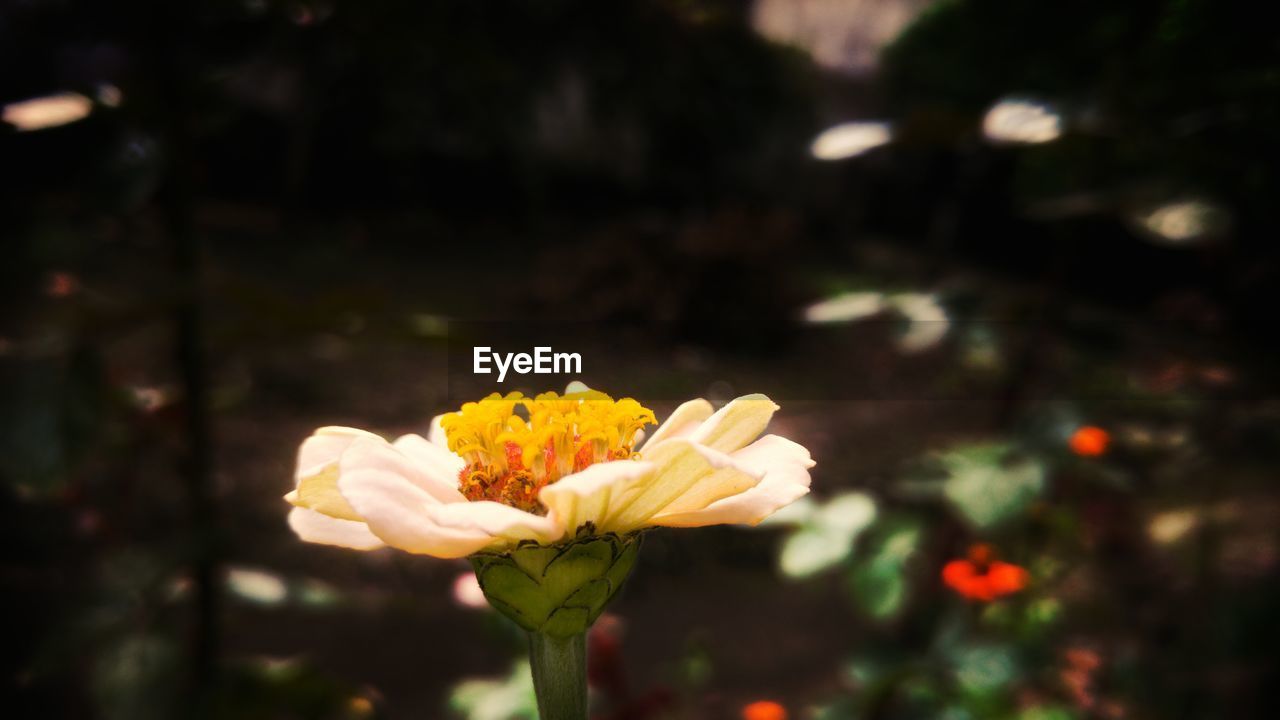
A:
(514, 445)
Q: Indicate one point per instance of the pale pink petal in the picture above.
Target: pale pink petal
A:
(318, 528)
(587, 496)
(436, 461)
(773, 451)
(324, 447)
(500, 521)
(369, 454)
(400, 514)
(436, 434)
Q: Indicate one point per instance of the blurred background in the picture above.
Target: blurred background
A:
(1005, 265)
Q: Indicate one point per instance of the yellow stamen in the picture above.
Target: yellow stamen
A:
(509, 458)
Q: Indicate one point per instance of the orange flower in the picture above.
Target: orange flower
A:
(764, 710)
(981, 577)
(1089, 441)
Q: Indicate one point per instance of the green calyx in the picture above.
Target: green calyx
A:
(557, 590)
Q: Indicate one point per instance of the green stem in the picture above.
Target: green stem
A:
(559, 675)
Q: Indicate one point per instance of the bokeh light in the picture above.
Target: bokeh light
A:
(1021, 121)
(467, 592)
(47, 112)
(1184, 222)
(849, 140)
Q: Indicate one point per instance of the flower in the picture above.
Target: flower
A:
(512, 471)
(982, 577)
(764, 710)
(1089, 441)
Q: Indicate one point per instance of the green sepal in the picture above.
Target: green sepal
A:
(558, 590)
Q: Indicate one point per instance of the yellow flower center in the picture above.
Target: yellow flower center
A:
(515, 445)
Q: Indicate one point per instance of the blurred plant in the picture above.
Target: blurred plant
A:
(989, 484)
(511, 698)
(263, 688)
(925, 320)
(880, 578)
(137, 677)
(824, 534)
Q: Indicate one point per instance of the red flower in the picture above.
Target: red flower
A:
(1089, 441)
(764, 710)
(981, 577)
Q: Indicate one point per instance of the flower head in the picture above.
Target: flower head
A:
(511, 470)
(982, 577)
(764, 710)
(510, 458)
(1089, 441)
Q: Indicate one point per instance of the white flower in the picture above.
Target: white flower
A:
(500, 476)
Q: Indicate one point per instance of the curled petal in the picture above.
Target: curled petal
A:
(682, 467)
(316, 473)
(316, 527)
(773, 451)
(400, 514)
(785, 466)
(324, 447)
(750, 464)
(735, 425)
(319, 492)
(587, 496)
(683, 420)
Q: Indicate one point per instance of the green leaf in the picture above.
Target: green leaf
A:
(984, 669)
(828, 538)
(511, 698)
(989, 484)
(880, 588)
(1046, 712)
(809, 551)
(878, 579)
